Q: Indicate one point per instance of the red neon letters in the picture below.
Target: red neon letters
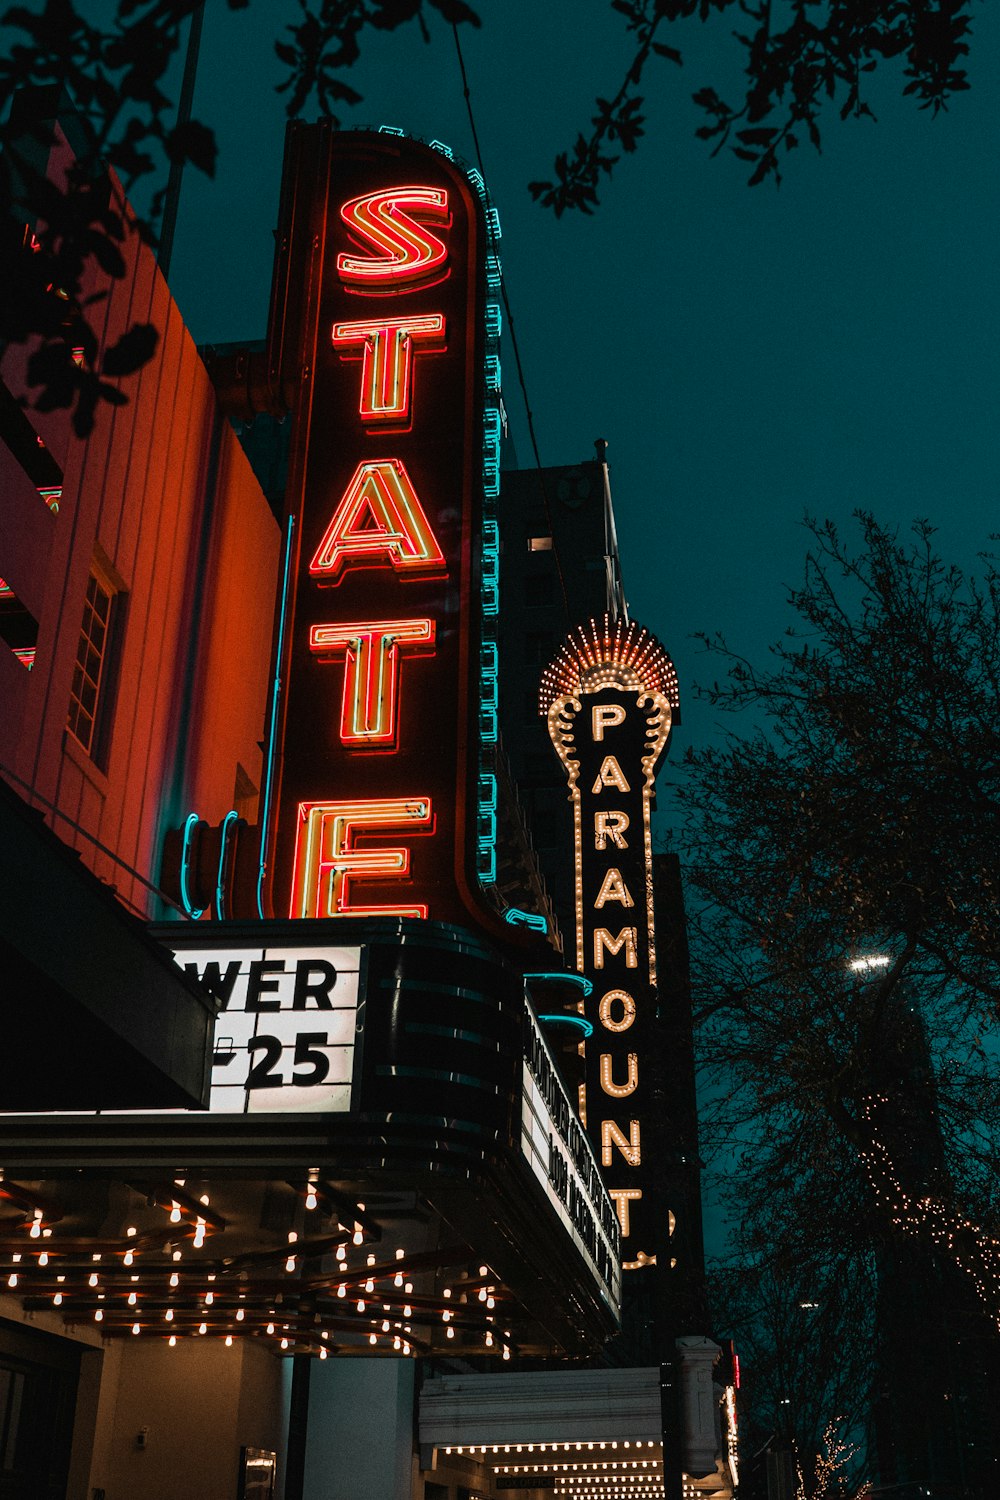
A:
(389, 226)
(387, 348)
(326, 858)
(378, 523)
(371, 675)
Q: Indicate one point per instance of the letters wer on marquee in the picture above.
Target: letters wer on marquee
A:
(610, 697)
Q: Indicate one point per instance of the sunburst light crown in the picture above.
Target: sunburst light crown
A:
(609, 653)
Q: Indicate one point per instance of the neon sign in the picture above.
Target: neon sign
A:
(388, 225)
(387, 347)
(379, 520)
(383, 803)
(327, 857)
(371, 678)
(609, 698)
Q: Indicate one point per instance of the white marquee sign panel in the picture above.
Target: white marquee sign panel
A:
(285, 1037)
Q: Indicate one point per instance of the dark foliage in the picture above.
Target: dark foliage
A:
(817, 59)
(842, 854)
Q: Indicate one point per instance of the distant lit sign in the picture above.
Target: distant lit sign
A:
(285, 1036)
(608, 697)
(383, 308)
(563, 1162)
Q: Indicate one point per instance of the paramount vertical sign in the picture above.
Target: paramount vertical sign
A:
(383, 324)
(610, 697)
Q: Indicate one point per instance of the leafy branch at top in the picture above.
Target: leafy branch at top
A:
(326, 40)
(617, 122)
(60, 236)
(794, 73)
(62, 231)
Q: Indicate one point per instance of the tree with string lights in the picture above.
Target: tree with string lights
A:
(842, 856)
(112, 69)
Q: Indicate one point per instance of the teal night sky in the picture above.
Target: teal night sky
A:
(749, 354)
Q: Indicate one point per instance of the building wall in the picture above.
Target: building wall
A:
(361, 1421)
(161, 496)
(557, 530)
(199, 1404)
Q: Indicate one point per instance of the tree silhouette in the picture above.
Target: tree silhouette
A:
(843, 854)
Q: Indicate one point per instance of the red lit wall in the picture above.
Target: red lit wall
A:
(162, 495)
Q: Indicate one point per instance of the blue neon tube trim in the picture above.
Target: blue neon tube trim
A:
(575, 1023)
(220, 895)
(518, 918)
(275, 695)
(579, 981)
(190, 822)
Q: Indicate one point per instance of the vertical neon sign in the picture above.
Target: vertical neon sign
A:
(379, 335)
(610, 698)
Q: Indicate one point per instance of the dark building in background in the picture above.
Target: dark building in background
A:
(559, 568)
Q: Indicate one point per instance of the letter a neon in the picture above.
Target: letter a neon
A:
(378, 521)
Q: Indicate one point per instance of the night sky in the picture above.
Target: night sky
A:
(749, 354)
